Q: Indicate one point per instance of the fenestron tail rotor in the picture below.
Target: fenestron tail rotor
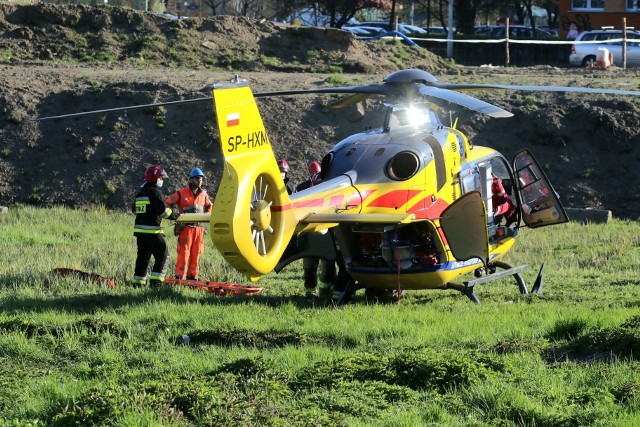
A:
(252, 220)
(261, 228)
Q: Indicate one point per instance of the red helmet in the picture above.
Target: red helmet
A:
(314, 168)
(283, 166)
(154, 173)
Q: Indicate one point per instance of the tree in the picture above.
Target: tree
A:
(465, 13)
(215, 6)
(341, 11)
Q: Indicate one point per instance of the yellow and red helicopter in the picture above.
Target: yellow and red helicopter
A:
(405, 206)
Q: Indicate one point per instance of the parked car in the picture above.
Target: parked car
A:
(364, 32)
(438, 30)
(483, 30)
(169, 16)
(519, 32)
(553, 31)
(406, 29)
(585, 54)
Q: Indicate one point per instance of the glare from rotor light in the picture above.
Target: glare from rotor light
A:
(417, 116)
(412, 116)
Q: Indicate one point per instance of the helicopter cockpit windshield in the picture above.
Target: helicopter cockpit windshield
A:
(418, 115)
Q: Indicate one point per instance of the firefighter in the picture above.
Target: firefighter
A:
(150, 210)
(190, 199)
(310, 265)
(314, 177)
(283, 165)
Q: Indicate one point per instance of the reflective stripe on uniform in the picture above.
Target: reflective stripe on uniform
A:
(139, 280)
(141, 204)
(156, 276)
(147, 229)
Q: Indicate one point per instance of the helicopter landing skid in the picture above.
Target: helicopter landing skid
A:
(467, 287)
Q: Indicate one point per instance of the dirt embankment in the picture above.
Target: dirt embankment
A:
(57, 60)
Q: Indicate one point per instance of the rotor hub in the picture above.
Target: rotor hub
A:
(261, 215)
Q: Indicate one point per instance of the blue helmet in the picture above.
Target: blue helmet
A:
(196, 172)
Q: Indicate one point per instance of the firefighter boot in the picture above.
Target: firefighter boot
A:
(325, 290)
(327, 278)
(310, 281)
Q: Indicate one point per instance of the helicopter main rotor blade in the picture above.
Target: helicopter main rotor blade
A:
(460, 86)
(348, 101)
(370, 89)
(437, 95)
(373, 89)
(131, 107)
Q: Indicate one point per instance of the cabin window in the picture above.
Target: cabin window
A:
(470, 180)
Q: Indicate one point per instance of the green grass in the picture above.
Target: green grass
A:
(79, 353)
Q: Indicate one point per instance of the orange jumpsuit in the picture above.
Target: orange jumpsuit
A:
(191, 236)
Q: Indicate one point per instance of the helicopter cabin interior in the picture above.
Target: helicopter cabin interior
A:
(479, 176)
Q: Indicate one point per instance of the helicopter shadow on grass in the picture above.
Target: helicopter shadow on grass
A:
(106, 298)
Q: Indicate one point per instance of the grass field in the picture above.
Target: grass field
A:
(79, 353)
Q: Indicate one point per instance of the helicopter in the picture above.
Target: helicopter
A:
(406, 206)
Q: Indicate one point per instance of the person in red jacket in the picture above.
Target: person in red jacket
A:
(150, 210)
(190, 199)
(503, 207)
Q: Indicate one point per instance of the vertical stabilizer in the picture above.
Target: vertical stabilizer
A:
(252, 220)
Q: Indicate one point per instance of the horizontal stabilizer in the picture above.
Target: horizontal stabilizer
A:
(188, 218)
(359, 218)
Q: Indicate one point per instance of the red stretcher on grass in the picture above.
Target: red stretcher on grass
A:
(90, 277)
(216, 288)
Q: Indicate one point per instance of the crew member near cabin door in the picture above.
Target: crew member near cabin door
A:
(283, 165)
(502, 206)
(190, 199)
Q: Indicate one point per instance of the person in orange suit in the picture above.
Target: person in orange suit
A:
(190, 199)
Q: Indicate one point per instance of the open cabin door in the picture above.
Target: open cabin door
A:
(464, 225)
(540, 204)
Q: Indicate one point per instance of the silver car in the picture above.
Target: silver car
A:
(585, 54)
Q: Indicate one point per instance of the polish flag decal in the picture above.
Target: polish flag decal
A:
(233, 119)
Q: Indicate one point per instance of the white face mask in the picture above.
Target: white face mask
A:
(284, 175)
(159, 183)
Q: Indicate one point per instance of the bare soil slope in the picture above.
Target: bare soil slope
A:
(56, 60)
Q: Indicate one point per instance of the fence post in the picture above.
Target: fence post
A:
(624, 43)
(506, 42)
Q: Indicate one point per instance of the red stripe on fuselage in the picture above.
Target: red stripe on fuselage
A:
(359, 198)
(426, 209)
(336, 201)
(393, 199)
(281, 208)
(354, 200)
(312, 203)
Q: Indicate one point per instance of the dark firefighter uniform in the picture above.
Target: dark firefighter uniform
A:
(150, 210)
